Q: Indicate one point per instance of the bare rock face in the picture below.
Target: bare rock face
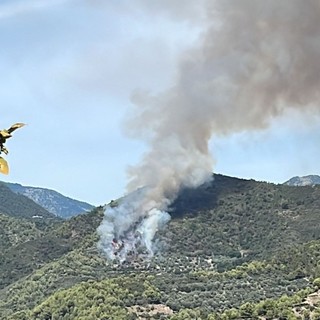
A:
(309, 180)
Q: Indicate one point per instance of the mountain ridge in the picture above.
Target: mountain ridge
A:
(53, 201)
(309, 180)
(16, 205)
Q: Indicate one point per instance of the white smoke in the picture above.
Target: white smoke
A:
(255, 60)
(131, 226)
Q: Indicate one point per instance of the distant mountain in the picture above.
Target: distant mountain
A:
(20, 206)
(51, 200)
(310, 180)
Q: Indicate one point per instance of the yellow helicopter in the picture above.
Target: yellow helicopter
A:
(4, 135)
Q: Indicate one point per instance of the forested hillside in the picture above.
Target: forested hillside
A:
(233, 249)
(42, 247)
(243, 218)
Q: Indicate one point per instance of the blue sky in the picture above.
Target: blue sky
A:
(69, 69)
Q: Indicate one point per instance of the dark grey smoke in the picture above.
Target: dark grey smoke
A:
(254, 60)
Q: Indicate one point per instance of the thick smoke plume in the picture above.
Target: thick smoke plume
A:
(255, 59)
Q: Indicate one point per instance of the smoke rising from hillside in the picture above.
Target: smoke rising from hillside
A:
(255, 59)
